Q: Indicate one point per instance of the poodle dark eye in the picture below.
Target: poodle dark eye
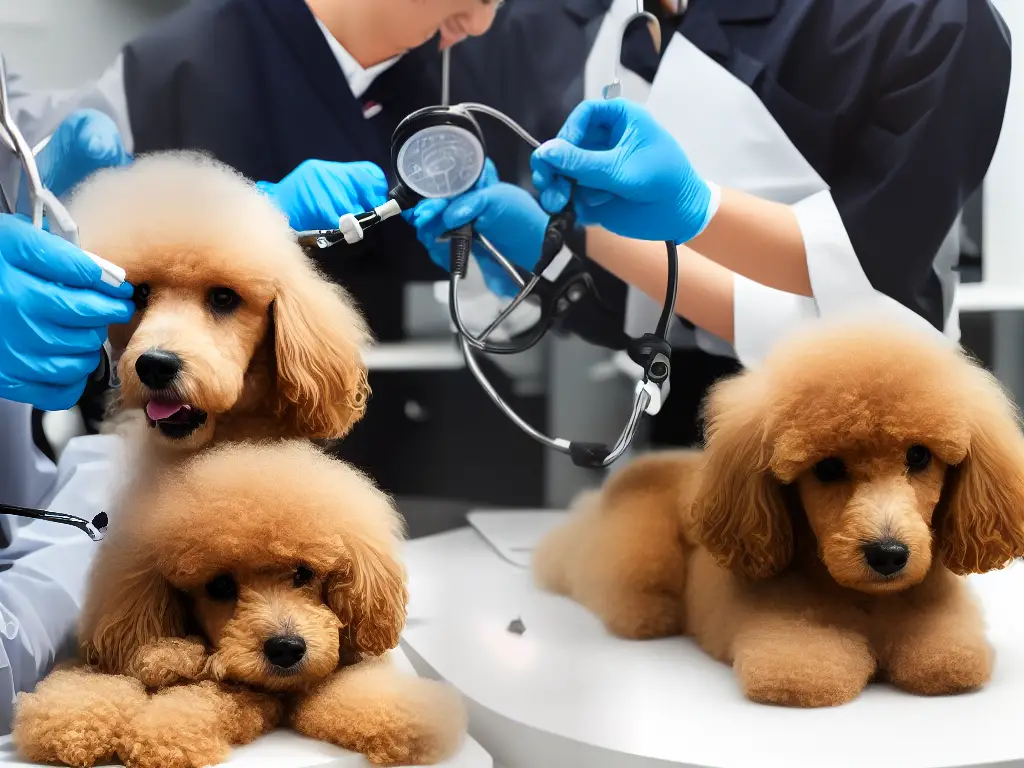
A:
(830, 470)
(224, 301)
(141, 295)
(918, 458)
(222, 588)
(303, 576)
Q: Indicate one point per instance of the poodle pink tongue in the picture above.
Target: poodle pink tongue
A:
(158, 411)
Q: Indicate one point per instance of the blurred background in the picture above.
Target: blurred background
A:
(446, 439)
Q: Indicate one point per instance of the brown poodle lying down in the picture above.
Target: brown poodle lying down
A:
(236, 334)
(247, 586)
(819, 541)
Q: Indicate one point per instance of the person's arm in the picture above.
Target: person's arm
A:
(39, 616)
(758, 239)
(705, 292)
(44, 570)
(872, 238)
(38, 114)
(869, 242)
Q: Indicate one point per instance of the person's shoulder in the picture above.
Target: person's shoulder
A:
(919, 18)
(894, 31)
(193, 24)
(204, 32)
(538, 10)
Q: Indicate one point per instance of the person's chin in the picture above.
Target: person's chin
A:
(447, 40)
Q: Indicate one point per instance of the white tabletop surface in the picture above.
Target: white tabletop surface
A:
(565, 693)
(286, 749)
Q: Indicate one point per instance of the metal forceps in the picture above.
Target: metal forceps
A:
(95, 529)
(46, 207)
(44, 203)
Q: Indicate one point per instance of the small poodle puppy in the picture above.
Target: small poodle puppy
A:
(820, 539)
(255, 584)
(237, 335)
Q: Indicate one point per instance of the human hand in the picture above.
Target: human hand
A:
(631, 176)
(506, 215)
(54, 311)
(85, 142)
(319, 192)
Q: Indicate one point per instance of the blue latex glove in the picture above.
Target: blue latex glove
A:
(85, 142)
(54, 311)
(506, 215)
(631, 176)
(319, 192)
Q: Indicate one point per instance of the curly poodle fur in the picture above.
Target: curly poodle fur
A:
(260, 344)
(819, 540)
(250, 585)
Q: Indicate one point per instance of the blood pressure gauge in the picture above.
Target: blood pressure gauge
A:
(436, 152)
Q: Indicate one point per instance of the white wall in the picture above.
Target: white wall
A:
(62, 43)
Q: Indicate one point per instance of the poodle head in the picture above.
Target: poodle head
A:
(270, 628)
(872, 451)
(285, 560)
(232, 319)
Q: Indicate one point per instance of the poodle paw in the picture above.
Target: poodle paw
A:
(421, 724)
(814, 680)
(81, 746)
(424, 730)
(168, 661)
(76, 718)
(170, 750)
(645, 616)
(941, 669)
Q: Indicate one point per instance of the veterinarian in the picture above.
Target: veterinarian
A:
(265, 85)
(812, 155)
(54, 310)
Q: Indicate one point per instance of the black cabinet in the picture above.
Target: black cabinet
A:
(437, 434)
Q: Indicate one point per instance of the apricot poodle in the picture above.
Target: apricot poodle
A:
(820, 539)
(236, 335)
(252, 585)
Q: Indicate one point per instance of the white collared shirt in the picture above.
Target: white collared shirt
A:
(359, 79)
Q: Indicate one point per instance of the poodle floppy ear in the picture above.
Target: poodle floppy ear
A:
(981, 524)
(319, 338)
(368, 593)
(126, 611)
(739, 511)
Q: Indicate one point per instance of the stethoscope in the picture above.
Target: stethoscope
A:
(45, 204)
(439, 152)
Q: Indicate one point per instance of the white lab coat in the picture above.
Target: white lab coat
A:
(43, 564)
(42, 569)
(738, 144)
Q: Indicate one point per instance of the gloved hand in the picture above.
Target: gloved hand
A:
(503, 213)
(319, 192)
(85, 142)
(54, 312)
(631, 176)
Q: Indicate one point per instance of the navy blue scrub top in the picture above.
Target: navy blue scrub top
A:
(898, 106)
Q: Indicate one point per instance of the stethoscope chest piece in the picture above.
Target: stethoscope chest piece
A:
(437, 152)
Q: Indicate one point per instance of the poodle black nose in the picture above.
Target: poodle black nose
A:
(886, 557)
(157, 368)
(284, 651)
